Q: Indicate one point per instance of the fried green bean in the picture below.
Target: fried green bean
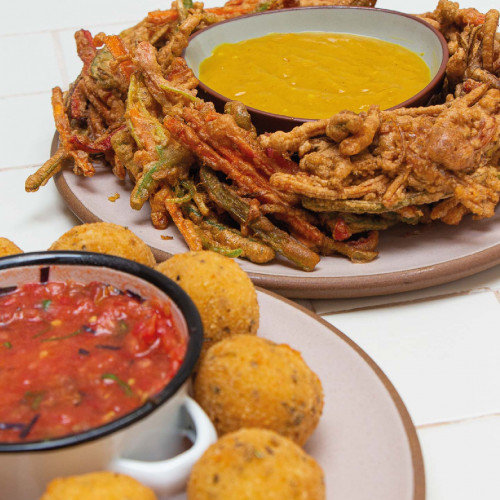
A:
(370, 207)
(229, 238)
(261, 226)
(46, 171)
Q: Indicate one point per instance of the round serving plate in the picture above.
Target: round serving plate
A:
(410, 258)
(365, 442)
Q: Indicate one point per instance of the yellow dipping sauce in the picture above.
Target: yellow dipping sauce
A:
(316, 74)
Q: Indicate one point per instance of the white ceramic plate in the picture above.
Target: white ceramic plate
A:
(410, 258)
(365, 441)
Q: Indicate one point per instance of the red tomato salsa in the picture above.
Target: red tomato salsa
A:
(75, 356)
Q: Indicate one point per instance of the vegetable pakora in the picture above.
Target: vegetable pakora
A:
(327, 187)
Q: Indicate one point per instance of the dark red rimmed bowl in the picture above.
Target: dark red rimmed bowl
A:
(396, 27)
(139, 443)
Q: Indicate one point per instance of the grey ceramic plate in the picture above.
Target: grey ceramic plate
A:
(410, 258)
(365, 442)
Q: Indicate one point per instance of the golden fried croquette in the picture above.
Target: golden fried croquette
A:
(222, 292)
(105, 237)
(248, 381)
(97, 486)
(254, 464)
(7, 247)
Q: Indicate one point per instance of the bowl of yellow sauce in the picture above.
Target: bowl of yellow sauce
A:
(295, 65)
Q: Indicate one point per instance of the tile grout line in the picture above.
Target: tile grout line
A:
(20, 167)
(457, 421)
(25, 94)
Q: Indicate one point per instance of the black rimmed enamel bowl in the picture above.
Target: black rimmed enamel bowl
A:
(144, 443)
(391, 26)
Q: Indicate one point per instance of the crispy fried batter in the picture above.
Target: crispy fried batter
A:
(226, 298)
(300, 194)
(439, 154)
(8, 247)
(271, 387)
(105, 237)
(97, 486)
(256, 463)
(473, 43)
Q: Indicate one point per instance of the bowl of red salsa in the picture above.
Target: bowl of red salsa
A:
(95, 355)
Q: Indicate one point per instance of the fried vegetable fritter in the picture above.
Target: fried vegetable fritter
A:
(105, 237)
(291, 194)
(256, 464)
(8, 247)
(248, 381)
(97, 486)
(223, 293)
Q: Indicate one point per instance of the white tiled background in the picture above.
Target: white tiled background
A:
(440, 347)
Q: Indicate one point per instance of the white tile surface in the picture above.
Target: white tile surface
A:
(441, 355)
(26, 135)
(35, 16)
(23, 57)
(462, 460)
(33, 221)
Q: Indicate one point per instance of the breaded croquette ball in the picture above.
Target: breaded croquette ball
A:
(105, 237)
(252, 464)
(222, 292)
(7, 247)
(248, 381)
(97, 486)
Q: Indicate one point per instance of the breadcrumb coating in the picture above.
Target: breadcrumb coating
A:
(256, 464)
(248, 381)
(105, 237)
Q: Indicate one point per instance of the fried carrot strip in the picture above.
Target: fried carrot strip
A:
(185, 226)
(53, 165)
(159, 87)
(357, 252)
(86, 50)
(101, 145)
(230, 161)
(162, 16)
(119, 51)
(245, 176)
